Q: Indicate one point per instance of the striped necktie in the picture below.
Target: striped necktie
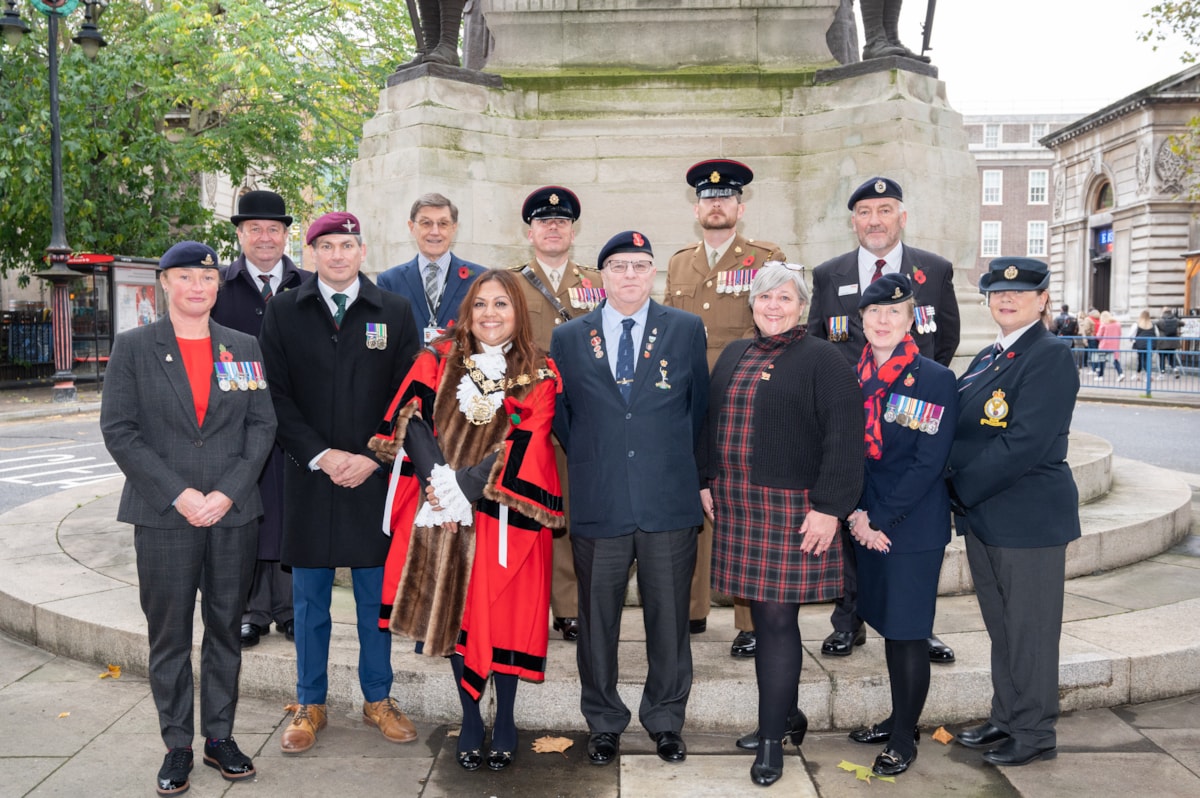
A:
(984, 364)
(879, 264)
(267, 293)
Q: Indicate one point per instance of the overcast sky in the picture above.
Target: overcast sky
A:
(1040, 56)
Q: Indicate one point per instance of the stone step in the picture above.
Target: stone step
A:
(68, 584)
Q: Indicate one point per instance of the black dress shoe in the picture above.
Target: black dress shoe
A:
(499, 760)
(173, 775)
(288, 628)
(670, 746)
(251, 632)
(797, 728)
(939, 652)
(841, 644)
(892, 763)
(873, 735)
(698, 626)
(225, 756)
(768, 765)
(745, 645)
(1014, 753)
(470, 760)
(569, 628)
(984, 736)
(602, 747)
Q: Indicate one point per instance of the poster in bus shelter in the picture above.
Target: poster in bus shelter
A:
(136, 297)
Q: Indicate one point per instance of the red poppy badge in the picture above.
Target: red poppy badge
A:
(463, 272)
(748, 261)
(919, 276)
(586, 283)
(225, 355)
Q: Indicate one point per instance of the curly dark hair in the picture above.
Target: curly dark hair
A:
(525, 356)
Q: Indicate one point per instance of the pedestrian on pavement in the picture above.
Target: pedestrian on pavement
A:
(436, 280)
(635, 388)
(711, 279)
(1016, 502)
(557, 289)
(336, 349)
(878, 218)
(1143, 342)
(1168, 326)
(474, 417)
(1109, 336)
(781, 464)
(902, 525)
(247, 284)
(191, 456)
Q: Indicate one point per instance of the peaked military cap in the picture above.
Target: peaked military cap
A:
(551, 202)
(719, 178)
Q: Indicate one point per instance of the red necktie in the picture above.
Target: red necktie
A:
(879, 264)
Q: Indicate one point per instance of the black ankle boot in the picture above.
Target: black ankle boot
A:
(768, 764)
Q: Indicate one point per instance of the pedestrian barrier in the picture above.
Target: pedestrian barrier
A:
(1166, 365)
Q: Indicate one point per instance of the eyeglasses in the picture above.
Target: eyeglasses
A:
(791, 267)
(638, 266)
(440, 224)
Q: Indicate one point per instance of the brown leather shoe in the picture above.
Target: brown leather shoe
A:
(301, 733)
(387, 717)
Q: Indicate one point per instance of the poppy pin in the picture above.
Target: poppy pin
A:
(586, 283)
(748, 261)
(463, 272)
(225, 355)
(919, 276)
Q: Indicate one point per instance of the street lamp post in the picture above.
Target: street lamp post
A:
(13, 28)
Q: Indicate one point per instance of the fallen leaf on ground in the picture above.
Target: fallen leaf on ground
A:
(863, 773)
(64, 714)
(942, 736)
(550, 745)
(113, 672)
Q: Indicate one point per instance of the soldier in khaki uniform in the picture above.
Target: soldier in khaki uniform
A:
(712, 279)
(551, 213)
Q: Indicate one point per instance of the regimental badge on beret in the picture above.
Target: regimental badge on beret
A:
(898, 293)
(208, 260)
(349, 225)
(880, 186)
(715, 177)
(1011, 273)
(638, 240)
(553, 199)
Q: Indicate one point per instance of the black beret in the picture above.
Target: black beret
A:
(189, 255)
(719, 178)
(1015, 274)
(628, 241)
(890, 289)
(265, 205)
(876, 188)
(551, 202)
(337, 223)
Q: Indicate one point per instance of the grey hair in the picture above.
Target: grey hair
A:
(774, 274)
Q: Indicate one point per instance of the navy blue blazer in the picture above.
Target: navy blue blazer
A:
(839, 274)
(406, 281)
(1008, 466)
(904, 491)
(632, 466)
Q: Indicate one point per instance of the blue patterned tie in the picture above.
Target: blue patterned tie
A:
(625, 359)
(983, 366)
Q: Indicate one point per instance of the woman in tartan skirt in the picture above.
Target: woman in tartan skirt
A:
(781, 460)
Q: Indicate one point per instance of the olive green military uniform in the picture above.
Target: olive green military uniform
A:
(692, 286)
(564, 596)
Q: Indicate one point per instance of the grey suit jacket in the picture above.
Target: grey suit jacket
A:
(148, 419)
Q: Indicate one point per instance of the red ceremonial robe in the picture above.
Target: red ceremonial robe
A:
(503, 562)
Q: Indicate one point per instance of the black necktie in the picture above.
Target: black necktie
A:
(879, 264)
(267, 293)
(625, 359)
(984, 363)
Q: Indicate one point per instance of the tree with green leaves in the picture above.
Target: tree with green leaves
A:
(278, 89)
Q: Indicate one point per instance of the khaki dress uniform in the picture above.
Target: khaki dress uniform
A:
(564, 595)
(692, 285)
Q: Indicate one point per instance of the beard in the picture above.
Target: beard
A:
(714, 221)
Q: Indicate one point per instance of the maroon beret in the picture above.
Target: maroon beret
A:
(339, 223)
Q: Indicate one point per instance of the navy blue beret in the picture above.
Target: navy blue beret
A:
(890, 289)
(628, 241)
(876, 188)
(189, 255)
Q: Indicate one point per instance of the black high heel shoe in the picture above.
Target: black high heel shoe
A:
(499, 760)
(470, 760)
(797, 728)
(762, 772)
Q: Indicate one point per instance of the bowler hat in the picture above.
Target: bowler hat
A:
(265, 205)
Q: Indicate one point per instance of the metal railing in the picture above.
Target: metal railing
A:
(1166, 365)
(26, 345)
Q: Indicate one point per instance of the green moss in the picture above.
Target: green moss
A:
(690, 78)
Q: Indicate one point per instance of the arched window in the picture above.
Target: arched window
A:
(1104, 198)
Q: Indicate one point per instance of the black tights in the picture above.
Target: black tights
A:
(908, 672)
(776, 664)
(504, 732)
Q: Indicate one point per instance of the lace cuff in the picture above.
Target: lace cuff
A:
(455, 506)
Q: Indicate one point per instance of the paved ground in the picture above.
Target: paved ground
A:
(65, 731)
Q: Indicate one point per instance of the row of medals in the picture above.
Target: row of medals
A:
(913, 413)
(244, 376)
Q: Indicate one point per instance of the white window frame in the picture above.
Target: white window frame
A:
(1038, 130)
(1043, 187)
(1040, 237)
(993, 194)
(991, 136)
(989, 245)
